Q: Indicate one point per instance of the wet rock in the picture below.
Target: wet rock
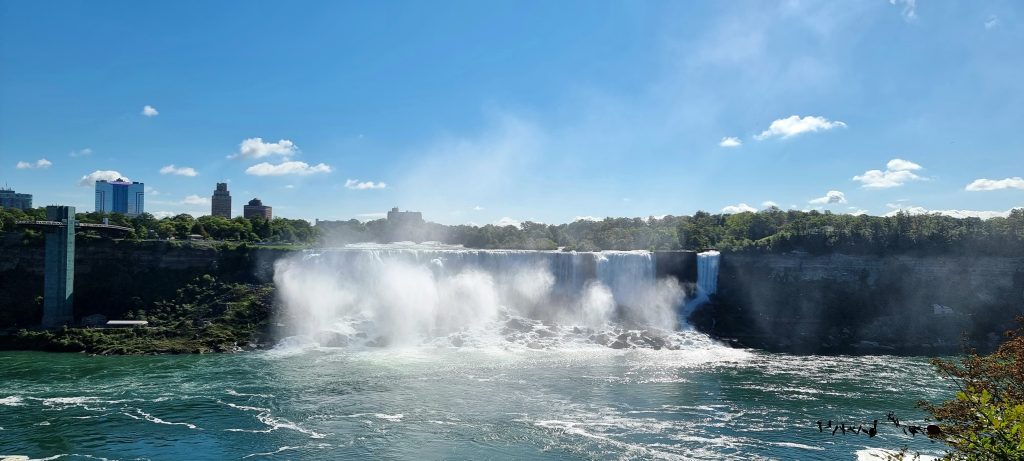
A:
(618, 345)
(379, 341)
(535, 345)
(331, 339)
(602, 339)
(546, 333)
(518, 325)
(652, 340)
(457, 341)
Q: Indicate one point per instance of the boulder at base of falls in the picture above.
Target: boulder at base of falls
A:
(601, 338)
(517, 325)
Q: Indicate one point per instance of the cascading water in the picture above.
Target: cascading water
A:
(411, 295)
(707, 280)
(707, 271)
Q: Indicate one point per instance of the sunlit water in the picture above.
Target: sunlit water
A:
(588, 402)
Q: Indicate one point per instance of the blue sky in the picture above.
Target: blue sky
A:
(484, 112)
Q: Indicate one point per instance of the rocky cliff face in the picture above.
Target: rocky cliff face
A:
(857, 304)
(116, 277)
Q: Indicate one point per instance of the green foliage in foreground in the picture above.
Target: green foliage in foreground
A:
(986, 419)
(204, 316)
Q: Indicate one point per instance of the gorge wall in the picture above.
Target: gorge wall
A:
(864, 304)
(787, 302)
(115, 277)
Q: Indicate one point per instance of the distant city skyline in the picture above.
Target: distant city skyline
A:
(492, 113)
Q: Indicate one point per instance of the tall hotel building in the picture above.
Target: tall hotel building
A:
(11, 199)
(220, 204)
(121, 196)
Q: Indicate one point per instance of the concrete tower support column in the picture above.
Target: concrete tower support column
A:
(59, 276)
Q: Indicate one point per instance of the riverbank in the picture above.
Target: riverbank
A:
(136, 341)
(205, 315)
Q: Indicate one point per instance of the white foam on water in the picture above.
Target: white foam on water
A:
(61, 403)
(154, 419)
(263, 415)
(242, 394)
(272, 453)
(879, 454)
(393, 418)
(70, 455)
(797, 445)
(12, 401)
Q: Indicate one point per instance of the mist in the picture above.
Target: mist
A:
(411, 295)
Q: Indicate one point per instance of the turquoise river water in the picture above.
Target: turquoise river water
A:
(700, 402)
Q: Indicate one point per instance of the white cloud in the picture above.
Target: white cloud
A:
(898, 164)
(182, 171)
(356, 185)
(916, 210)
(832, 196)
(90, 179)
(163, 214)
(586, 218)
(287, 168)
(195, 200)
(256, 148)
(506, 221)
(730, 141)
(290, 186)
(992, 22)
(1015, 182)
(794, 125)
(369, 216)
(857, 211)
(897, 172)
(150, 111)
(81, 153)
(478, 208)
(192, 199)
(151, 191)
(733, 209)
(41, 163)
(909, 12)
(769, 204)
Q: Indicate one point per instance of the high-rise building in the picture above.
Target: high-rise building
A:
(405, 217)
(256, 209)
(220, 205)
(11, 199)
(120, 196)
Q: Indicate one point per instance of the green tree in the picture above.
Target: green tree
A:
(985, 421)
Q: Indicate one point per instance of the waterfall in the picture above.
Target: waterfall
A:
(628, 274)
(411, 293)
(707, 281)
(707, 271)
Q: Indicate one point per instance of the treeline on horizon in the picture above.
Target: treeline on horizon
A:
(185, 226)
(771, 230)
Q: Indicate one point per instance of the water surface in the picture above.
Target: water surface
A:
(701, 402)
